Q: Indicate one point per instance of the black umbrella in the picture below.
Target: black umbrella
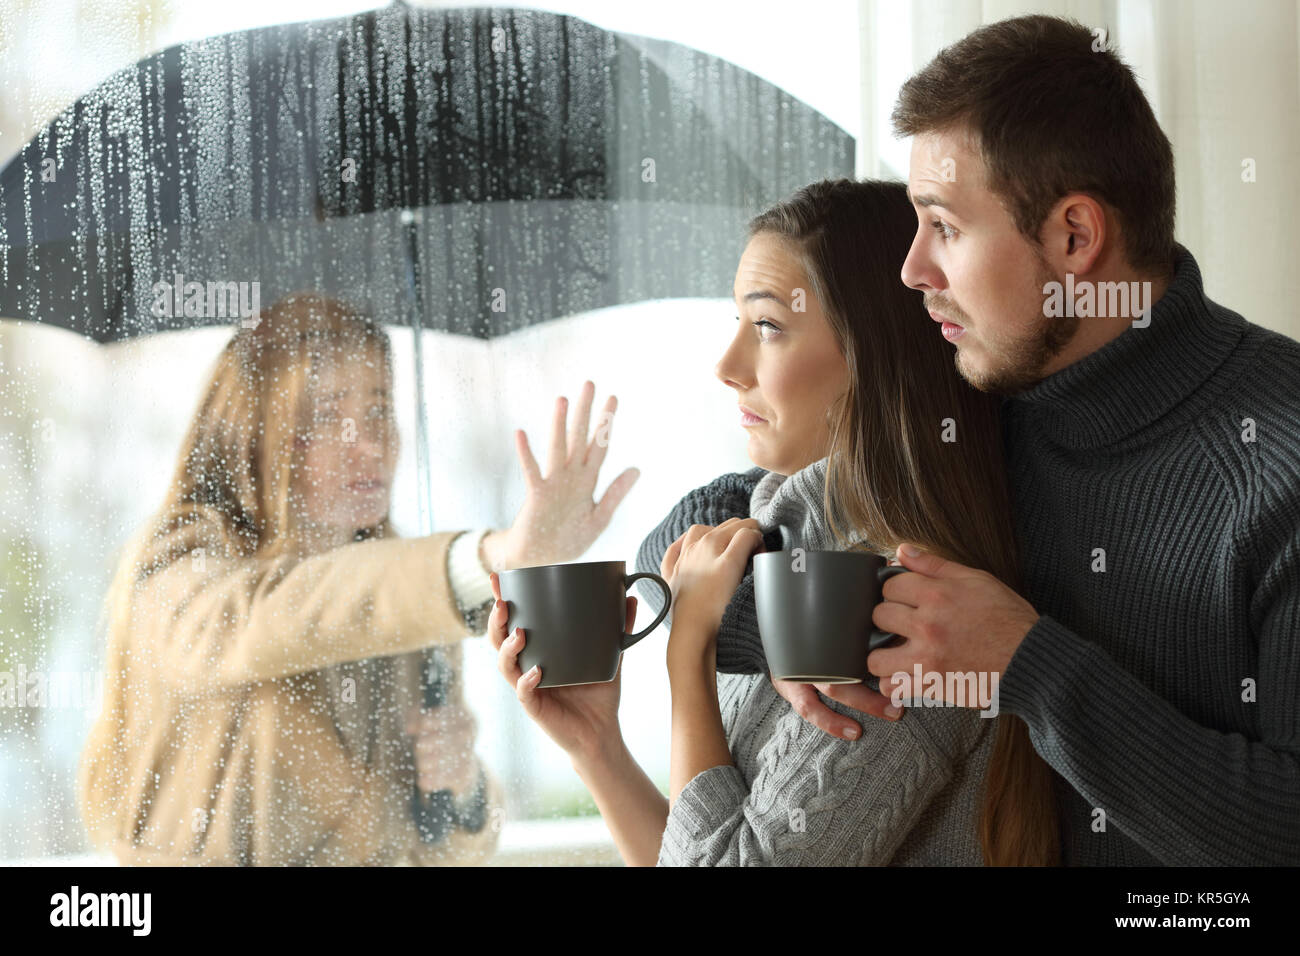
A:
(567, 166)
(475, 170)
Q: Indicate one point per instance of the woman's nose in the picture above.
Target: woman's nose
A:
(731, 369)
(367, 446)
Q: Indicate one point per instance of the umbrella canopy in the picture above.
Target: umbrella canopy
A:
(509, 166)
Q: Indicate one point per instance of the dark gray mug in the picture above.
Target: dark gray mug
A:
(814, 613)
(573, 617)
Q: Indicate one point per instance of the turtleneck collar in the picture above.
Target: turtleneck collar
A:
(793, 508)
(791, 505)
(1141, 375)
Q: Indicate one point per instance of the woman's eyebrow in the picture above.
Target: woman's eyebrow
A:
(763, 294)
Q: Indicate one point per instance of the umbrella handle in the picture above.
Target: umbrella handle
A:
(434, 813)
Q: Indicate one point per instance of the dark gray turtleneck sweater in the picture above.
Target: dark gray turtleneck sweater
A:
(1165, 689)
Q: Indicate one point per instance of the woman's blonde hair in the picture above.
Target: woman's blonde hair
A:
(230, 494)
(232, 485)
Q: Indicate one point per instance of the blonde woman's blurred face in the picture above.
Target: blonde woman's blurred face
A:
(784, 362)
(348, 443)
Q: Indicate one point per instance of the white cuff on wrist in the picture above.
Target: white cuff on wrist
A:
(469, 579)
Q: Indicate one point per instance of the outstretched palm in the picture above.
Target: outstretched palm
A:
(559, 520)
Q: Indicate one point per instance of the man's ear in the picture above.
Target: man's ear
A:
(1074, 233)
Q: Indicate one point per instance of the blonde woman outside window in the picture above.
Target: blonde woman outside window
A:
(267, 627)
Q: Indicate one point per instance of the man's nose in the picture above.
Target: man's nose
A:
(918, 271)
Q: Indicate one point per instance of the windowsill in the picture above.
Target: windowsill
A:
(576, 841)
(573, 841)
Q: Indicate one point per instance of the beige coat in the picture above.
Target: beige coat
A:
(254, 710)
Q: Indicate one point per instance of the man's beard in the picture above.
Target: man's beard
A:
(1022, 365)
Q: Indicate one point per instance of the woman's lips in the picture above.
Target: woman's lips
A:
(367, 487)
(748, 418)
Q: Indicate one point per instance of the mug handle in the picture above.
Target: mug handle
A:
(630, 639)
(880, 638)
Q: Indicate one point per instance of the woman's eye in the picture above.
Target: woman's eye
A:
(763, 336)
(944, 230)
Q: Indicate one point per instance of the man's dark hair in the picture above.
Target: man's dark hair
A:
(1052, 115)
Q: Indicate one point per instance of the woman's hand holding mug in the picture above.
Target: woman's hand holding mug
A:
(583, 718)
(705, 565)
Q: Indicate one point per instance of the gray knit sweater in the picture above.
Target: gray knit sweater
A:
(1165, 689)
(907, 792)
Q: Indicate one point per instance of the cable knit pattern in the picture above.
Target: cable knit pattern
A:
(906, 793)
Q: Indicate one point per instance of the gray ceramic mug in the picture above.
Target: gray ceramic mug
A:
(814, 613)
(573, 617)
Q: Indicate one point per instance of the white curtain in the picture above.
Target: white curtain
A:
(1224, 82)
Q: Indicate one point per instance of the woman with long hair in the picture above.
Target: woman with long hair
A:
(864, 436)
(268, 630)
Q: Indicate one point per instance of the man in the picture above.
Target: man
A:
(1153, 449)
